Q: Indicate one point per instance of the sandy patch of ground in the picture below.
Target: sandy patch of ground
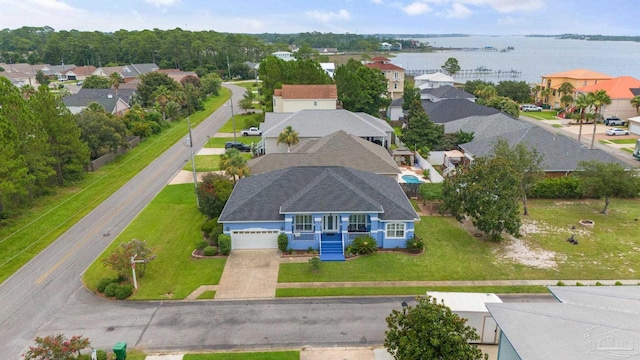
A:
(518, 250)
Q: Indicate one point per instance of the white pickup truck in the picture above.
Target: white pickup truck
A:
(252, 131)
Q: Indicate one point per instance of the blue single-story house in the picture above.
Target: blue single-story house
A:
(319, 207)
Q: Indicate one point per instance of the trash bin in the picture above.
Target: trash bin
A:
(120, 349)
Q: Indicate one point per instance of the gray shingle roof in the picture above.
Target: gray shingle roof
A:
(572, 331)
(308, 189)
(487, 126)
(560, 152)
(101, 96)
(447, 92)
(454, 109)
(337, 149)
(317, 123)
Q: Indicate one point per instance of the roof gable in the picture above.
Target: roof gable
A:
(453, 109)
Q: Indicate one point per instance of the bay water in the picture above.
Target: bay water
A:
(532, 56)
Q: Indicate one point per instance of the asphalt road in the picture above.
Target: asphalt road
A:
(46, 296)
(41, 288)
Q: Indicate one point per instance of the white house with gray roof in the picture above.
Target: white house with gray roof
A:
(319, 207)
(314, 124)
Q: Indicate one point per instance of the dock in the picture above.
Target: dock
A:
(469, 73)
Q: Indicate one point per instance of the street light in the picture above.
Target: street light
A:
(233, 121)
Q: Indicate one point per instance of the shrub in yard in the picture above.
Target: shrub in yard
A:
(101, 355)
(283, 242)
(209, 225)
(314, 264)
(103, 283)
(349, 251)
(618, 283)
(124, 291)
(415, 245)
(560, 283)
(111, 289)
(431, 191)
(201, 244)
(598, 283)
(364, 245)
(210, 250)
(224, 242)
(565, 187)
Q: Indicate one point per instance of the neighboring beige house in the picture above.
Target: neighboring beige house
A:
(621, 91)
(435, 80)
(634, 125)
(578, 78)
(393, 73)
(292, 98)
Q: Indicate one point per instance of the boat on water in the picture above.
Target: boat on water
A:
(482, 69)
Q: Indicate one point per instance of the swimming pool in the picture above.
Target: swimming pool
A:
(410, 179)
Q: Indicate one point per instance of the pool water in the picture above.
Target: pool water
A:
(410, 179)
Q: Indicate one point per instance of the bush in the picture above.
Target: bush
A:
(431, 191)
(598, 283)
(101, 355)
(564, 187)
(84, 357)
(349, 251)
(415, 244)
(201, 244)
(111, 289)
(618, 283)
(560, 283)
(283, 242)
(210, 250)
(103, 283)
(124, 291)
(209, 225)
(224, 241)
(314, 264)
(364, 245)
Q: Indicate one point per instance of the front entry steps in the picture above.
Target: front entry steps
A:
(331, 250)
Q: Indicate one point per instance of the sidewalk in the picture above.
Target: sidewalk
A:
(448, 283)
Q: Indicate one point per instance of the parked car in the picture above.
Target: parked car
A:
(530, 108)
(237, 145)
(614, 121)
(616, 131)
(252, 131)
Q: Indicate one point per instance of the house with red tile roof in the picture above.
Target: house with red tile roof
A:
(393, 73)
(292, 98)
(578, 78)
(621, 90)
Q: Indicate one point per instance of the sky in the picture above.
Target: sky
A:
(474, 17)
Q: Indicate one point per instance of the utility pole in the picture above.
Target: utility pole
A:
(193, 163)
(233, 121)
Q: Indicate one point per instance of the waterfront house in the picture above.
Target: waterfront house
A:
(578, 78)
(393, 73)
(621, 90)
(292, 98)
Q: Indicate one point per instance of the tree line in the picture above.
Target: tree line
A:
(43, 146)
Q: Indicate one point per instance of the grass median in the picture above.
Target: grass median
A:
(205, 163)
(405, 290)
(269, 355)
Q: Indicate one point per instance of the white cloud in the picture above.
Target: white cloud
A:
(509, 20)
(163, 2)
(377, 1)
(416, 8)
(327, 16)
(506, 6)
(458, 11)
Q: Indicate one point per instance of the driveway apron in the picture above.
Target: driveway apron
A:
(249, 274)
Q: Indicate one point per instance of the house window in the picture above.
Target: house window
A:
(358, 223)
(303, 223)
(315, 103)
(395, 230)
(395, 86)
(395, 75)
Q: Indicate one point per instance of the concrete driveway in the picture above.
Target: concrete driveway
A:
(249, 274)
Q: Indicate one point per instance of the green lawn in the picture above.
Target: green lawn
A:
(542, 115)
(23, 238)
(209, 294)
(275, 355)
(624, 141)
(629, 150)
(604, 252)
(405, 290)
(209, 162)
(171, 226)
(240, 120)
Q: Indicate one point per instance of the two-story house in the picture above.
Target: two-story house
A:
(292, 98)
(393, 73)
(578, 78)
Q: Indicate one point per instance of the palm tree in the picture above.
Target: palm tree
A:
(162, 96)
(535, 91)
(582, 103)
(115, 79)
(544, 94)
(234, 164)
(288, 136)
(597, 100)
(635, 102)
(566, 89)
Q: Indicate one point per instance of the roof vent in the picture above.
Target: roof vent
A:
(109, 96)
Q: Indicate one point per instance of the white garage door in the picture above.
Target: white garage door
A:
(254, 239)
(634, 128)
